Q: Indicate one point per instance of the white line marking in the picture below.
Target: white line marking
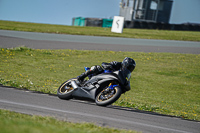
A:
(90, 115)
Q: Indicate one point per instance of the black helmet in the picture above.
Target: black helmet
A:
(128, 63)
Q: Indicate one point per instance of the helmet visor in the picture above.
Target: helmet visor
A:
(131, 68)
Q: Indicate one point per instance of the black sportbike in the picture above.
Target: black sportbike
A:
(103, 88)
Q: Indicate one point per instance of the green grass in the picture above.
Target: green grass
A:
(12, 122)
(99, 31)
(165, 83)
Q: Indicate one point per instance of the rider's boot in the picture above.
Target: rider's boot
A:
(83, 76)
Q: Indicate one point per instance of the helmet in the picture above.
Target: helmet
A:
(128, 63)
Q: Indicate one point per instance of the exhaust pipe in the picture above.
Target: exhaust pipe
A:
(74, 85)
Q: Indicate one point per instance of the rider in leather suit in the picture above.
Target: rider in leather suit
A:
(128, 63)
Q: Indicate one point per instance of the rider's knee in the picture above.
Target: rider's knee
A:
(96, 69)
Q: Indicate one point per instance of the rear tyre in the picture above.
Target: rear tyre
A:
(65, 90)
(104, 99)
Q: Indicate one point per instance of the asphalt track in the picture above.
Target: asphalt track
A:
(9, 39)
(82, 111)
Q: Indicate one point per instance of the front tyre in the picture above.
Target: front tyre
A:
(107, 97)
(65, 90)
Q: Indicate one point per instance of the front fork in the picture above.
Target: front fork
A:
(109, 90)
(111, 86)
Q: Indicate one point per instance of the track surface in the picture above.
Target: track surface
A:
(10, 39)
(79, 111)
(83, 111)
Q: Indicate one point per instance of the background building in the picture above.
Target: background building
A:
(164, 11)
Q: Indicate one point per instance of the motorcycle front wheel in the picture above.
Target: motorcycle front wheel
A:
(65, 90)
(107, 97)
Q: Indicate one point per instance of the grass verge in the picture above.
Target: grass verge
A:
(165, 83)
(12, 122)
(99, 31)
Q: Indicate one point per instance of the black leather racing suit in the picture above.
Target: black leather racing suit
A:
(112, 66)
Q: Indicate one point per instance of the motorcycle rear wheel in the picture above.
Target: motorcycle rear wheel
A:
(65, 90)
(109, 98)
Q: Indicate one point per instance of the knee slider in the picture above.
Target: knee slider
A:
(93, 68)
(96, 69)
(100, 69)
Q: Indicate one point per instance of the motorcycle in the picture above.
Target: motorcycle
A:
(104, 88)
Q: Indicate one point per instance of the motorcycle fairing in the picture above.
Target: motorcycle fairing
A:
(93, 85)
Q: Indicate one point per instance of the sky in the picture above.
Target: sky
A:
(56, 11)
(184, 11)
